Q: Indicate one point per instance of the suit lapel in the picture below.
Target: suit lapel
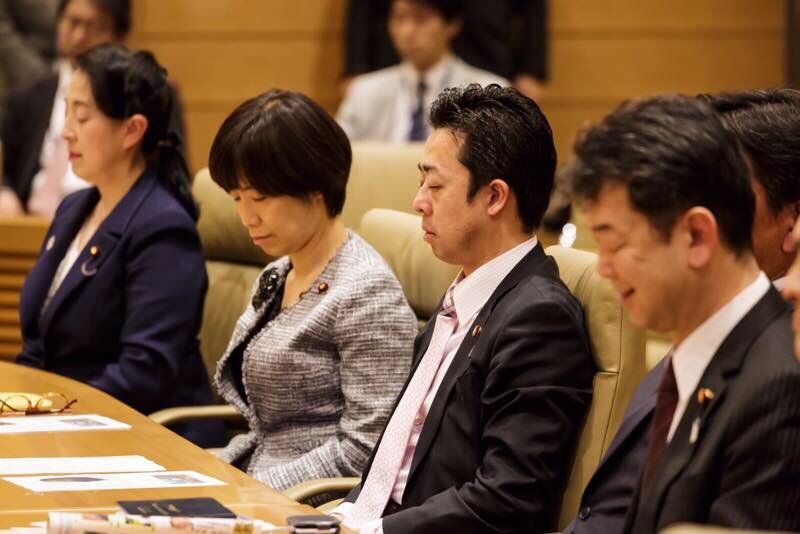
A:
(698, 415)
(533, 261)
(99, 247)
(56, 242)
(632, 420)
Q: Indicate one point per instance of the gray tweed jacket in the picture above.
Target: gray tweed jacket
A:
(322, 376)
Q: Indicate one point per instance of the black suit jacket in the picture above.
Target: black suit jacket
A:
(734, 461)
(607, 497)
(496, 447)
(25, 124)
(126, 319)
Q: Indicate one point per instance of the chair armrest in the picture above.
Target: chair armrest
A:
(180, 414)
(310, 488)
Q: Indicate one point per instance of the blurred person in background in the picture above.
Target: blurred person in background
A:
(36, 170)
(506, 37)
(27, 43)
(391, 104)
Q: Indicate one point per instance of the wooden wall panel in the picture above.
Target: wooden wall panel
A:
(600, 69)
(227, 72)
(676, 15)
(237, 17)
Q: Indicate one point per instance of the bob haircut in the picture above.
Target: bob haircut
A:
(283, 143)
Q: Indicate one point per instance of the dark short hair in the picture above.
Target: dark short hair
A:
(767, 124)
(283, 143)
(125, 83)
(672, 153)
(448, 9)
(119, 11)
(506, 136)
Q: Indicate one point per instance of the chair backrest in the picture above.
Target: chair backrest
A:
(382, 176)
(618, 347)
(619, 354)
(232, 261)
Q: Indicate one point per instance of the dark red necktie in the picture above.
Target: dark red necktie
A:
(662, 420)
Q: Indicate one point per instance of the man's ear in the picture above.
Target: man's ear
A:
(791, 215)
(700, 225)
(453, 28)
(135, 128)
(497, 196)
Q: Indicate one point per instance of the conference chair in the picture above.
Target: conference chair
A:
(618, 346)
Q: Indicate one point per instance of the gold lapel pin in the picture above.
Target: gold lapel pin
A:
(323, 287)
(703, 395)
(476, 331)
(94, 251)
(50, 242)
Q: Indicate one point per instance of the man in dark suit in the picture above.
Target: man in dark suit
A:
(36, 175)
(767, 124)
(668, 198)
(482, 435)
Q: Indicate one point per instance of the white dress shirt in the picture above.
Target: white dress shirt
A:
(469, 297)
(691, 358)
(71, 182)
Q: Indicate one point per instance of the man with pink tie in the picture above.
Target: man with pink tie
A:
(483, 433)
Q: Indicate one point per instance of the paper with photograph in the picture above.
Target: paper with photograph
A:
(114, 481)
(79, 464)
(58, 423)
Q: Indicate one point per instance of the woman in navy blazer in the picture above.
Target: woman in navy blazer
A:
(115, 299)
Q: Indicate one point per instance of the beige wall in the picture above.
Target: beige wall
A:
(602, 51)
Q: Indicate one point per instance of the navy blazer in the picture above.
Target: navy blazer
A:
(607, 497)
(126, 317)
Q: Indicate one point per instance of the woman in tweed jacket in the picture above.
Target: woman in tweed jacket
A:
(318, 357)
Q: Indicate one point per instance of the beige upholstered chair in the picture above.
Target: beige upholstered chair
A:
(618, 347)
(619, 353)
(233, 263)
(382, 176)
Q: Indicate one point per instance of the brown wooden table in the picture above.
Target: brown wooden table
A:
(19, 507)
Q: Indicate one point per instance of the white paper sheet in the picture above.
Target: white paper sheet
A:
(113, 481)
(83, 464)
(58, 423)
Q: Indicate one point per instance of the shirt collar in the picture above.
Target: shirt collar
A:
(690, 358)
(471, 293)
(779, 283)
(434, 78)
(64, 76)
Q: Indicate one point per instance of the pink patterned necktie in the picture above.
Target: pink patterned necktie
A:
(382, 476)
(46, 199)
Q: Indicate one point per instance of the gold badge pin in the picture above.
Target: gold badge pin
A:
(323, 287)
(476, 331)
(94, 251)
(703, 395)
